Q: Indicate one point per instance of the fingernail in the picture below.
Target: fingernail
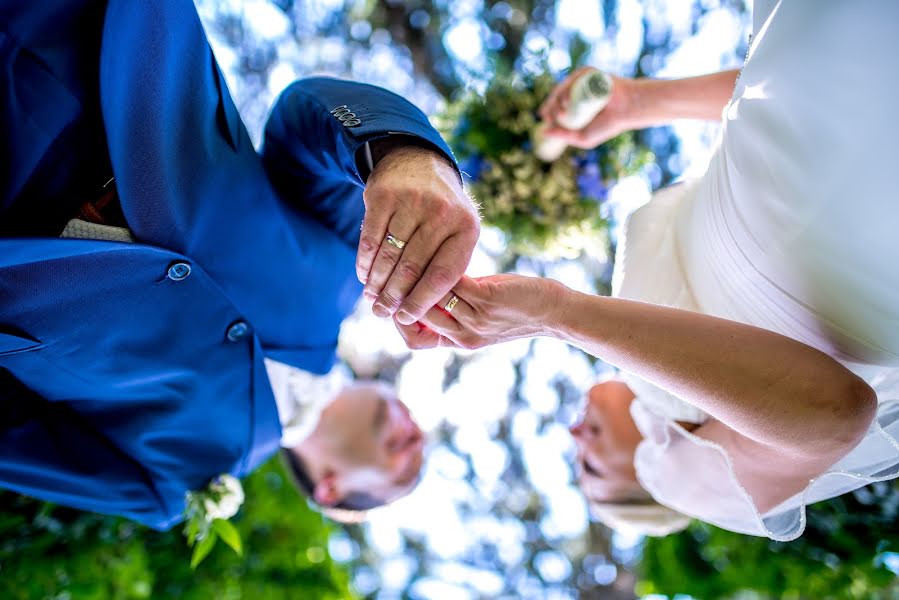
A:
(404, 318)
(369, 294)
(380, 310)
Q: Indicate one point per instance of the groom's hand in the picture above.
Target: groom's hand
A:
(419, 231)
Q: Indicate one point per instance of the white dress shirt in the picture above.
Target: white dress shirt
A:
(301, 397)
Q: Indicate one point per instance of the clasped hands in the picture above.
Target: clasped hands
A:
(420, 229)
(417, 238)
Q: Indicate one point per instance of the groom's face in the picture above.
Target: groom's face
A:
(371, 445)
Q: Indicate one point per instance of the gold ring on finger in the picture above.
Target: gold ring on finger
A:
(451, 304)
(395, 241)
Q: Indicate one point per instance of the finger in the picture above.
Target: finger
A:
(543, 109)
(560, 96)
(467, 287)
(546, 110)
(572, 137)
(443, 323)
(387, 258)
(460, 310)
(551, 104)
(374, 230)
(419, 336)
(447, 327)
(564, 101)
(443, 272)
(413, 262)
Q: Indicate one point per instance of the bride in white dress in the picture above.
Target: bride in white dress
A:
(756, 321)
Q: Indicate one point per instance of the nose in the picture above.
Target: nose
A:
(405, 432)
(577, 430)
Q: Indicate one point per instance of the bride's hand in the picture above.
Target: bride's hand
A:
(617, 117)
(489, 310)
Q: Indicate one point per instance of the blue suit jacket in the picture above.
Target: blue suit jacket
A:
(120, 386)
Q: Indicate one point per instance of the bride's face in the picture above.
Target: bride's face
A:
(606, 439)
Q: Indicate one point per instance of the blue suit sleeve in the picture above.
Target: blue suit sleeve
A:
(312, 157)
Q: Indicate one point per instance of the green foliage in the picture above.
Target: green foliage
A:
(49, 551)
(203, 548)
(228, 532)
(545, 209)
(839, 557)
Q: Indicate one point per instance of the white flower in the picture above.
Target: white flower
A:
(230, 496)
(232, 485)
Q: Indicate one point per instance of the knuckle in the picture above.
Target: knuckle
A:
(440, 277)
(372, 195)
(471, 222)
(388, 299)
(410, 271)
(413, 307)
(388, 258)
(469, 341)
(440, 209)
(367, 244)
(378, 195)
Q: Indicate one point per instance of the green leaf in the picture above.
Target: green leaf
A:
(193, 528)
(229, 534)
(203, 549)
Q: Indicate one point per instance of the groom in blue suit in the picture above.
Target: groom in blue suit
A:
(131, 373)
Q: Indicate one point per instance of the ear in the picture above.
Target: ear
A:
(326, 492)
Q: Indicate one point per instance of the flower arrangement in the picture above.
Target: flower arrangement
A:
(206, 517)
(551, 210)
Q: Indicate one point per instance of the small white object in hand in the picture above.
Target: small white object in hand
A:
(230, 496)
(588, 95)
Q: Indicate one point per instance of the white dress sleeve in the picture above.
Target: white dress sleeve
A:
(711, 492)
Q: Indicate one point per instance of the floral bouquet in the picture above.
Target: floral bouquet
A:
(550, 210)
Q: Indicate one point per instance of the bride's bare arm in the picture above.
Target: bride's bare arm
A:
(641, 103)
(763, 385)
(661, 101)
(771, 389)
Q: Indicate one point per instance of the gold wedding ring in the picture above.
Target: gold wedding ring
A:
(451, 304)
(395, 242)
